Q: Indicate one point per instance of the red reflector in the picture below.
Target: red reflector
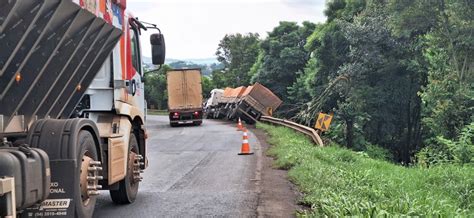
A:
(196, 113)
(176, 113)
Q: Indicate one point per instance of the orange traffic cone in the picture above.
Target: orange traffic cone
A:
(240, 127)
(245, 149)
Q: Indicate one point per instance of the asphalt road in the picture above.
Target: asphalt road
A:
(193, 171)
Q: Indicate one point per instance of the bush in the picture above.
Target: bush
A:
(378, 153)
(449, 151)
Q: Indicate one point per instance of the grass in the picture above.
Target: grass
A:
(157, 112)
(339, 182)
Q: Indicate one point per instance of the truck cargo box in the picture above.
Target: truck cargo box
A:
(262, 99)
(232, 95)
(254, 102)
(184, 89)
(185, 96)
(237, 92)
(30, 168)
(226, 95)
(247, 90)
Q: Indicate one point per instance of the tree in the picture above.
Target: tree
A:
(320, 83)
(207, 86)
(449, 95)
(379, 104)
(155, 89)
(237, 53)
(283, 56)
(344, 9)
(218, 79)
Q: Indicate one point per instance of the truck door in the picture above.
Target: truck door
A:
(137, 89)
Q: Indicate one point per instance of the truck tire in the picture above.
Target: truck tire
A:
(75, 160)
(228, 115)
(87, 152)
(128, 187)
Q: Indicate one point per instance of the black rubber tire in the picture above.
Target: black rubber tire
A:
(86, 145)
(197, 123)
(174, 124)
(127, 192)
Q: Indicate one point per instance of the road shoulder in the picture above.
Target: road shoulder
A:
(278, 196)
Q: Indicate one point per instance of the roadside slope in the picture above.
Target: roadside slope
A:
(340, 182)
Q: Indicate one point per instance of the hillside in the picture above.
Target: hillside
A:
(207, 65)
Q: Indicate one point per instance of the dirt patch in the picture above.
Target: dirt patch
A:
(278, 196)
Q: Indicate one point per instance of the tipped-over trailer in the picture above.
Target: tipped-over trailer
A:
(248, 103)
(72, 105)
(256, 101)
(228, 101)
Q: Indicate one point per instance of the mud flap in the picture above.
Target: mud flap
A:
(61, 198)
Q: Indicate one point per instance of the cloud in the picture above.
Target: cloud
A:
(193, 29)
(306, 6)
(305, 2)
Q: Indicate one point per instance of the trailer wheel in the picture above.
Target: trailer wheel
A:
(128, 187)
(229, 114)
(87, 156)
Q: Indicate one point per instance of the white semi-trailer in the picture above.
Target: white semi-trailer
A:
(212, 102)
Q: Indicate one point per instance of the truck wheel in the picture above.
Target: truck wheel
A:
(85, 202)
(128, 187)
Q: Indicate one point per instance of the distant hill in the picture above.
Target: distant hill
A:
(205, 61)
(206, 69)
(207, 65)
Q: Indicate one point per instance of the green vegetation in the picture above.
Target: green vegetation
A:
(460, 151)
(157, 112)
(237, 53)
(155, 89)
(283, 56)
(340, 182)
(398, 75)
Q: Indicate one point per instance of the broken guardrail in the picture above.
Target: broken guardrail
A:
(298, 127)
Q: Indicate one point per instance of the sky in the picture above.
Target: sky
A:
(193, 28)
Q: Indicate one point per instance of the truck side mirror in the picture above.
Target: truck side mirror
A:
(158, 48)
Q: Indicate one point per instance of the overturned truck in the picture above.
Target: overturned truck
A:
(248, 103)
